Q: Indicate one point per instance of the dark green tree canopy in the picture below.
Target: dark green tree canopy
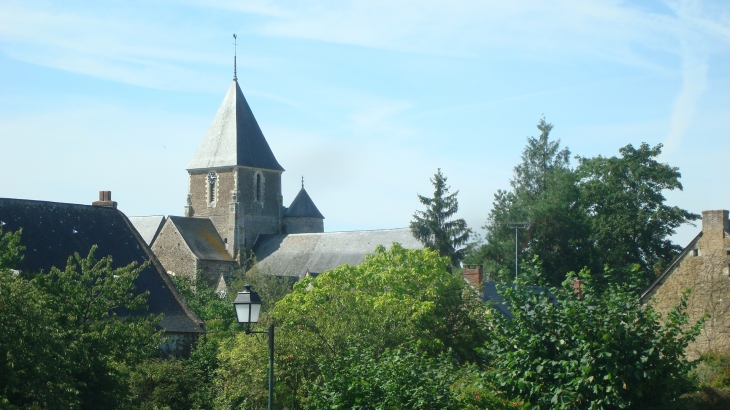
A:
(435, 227)
(625, 208)
(606, 212)
(545, 193)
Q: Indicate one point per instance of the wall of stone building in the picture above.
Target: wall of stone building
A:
(173, 253)
(213, 270)
(303, 225)
(236, 213)
(259, 217)
(703, 268)
(177, 344)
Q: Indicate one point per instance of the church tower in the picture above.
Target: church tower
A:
(234, 178)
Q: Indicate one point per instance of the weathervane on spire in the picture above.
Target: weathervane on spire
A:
(302, 181)
(235, 77)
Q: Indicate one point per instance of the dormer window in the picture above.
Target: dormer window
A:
(212, 180)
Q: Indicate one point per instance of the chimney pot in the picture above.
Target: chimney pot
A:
(105, 200)
(577, 283)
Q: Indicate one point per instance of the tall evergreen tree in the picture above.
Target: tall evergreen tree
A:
(544, 191)
(435, 227)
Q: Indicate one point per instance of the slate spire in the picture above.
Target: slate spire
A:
(303, 206)
(234, 138)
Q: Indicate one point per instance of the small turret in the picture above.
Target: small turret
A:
(302, 216)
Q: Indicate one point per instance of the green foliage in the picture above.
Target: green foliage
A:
(544, 192)
(602, 352)
(434, 226)
(394, 299)
(225, 342)
(160, 384)
(629, 221)
(69, 336)
(606, 212)
(393, 379)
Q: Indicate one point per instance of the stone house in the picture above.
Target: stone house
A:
(704, 267)
(52, 232)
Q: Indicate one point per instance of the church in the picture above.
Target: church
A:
(235, 210)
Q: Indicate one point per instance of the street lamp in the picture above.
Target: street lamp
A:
(248, 307)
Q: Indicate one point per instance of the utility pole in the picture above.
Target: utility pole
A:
(517, 225)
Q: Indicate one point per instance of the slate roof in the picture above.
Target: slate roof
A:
(295, 254)
(234, 138)
(660, 279)
(148, 226)
(491, 294)
(54, 231)
(201, 238)
(303, 206)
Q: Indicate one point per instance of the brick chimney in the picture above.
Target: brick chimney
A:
(474, 275)
(714, 224)
(577, 288)
(105, 200)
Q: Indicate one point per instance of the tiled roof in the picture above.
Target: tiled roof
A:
(303, 206)
(234, 138)
(148, 226)
(295, 254)
(202, 238)
(51, 232)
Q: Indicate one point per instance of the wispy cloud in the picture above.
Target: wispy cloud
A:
(694, 53)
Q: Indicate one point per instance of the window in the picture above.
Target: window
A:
(258, 187)
(695, 252)
(212, 179)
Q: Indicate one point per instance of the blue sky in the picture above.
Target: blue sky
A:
(366, 99)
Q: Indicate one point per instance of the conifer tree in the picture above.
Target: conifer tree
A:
(435, 227)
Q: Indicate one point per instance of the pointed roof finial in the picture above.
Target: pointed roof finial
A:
(302, 181)
(235, 77)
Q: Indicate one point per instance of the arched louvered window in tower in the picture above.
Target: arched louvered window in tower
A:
(212, 180)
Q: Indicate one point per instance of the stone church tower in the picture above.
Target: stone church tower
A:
(234, 178)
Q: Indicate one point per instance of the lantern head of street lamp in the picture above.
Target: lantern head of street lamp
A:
(248, 306)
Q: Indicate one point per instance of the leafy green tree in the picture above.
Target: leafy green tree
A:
(393, 379)
(435, 227)
(69, 337)
(395, 298)
(629, 222)
(32, 356)
(602, 351)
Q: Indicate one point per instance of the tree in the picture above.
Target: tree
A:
(69, 336)
(603, 350)
(434, 226)
(545, 193)
(628, 220)
(394, 299)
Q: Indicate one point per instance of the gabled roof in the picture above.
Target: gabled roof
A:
(54, 231)
(202, 238)
(660, 279)
(491, 295)
(295, 254)
(303, 206)
(234, 138)
(148, 226)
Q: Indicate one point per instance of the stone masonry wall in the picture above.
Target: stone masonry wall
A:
(303, 225)
(703, 268)
(238, 215)
(213, 270)
(170, 249)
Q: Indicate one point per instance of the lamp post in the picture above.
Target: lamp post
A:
(248, 307)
